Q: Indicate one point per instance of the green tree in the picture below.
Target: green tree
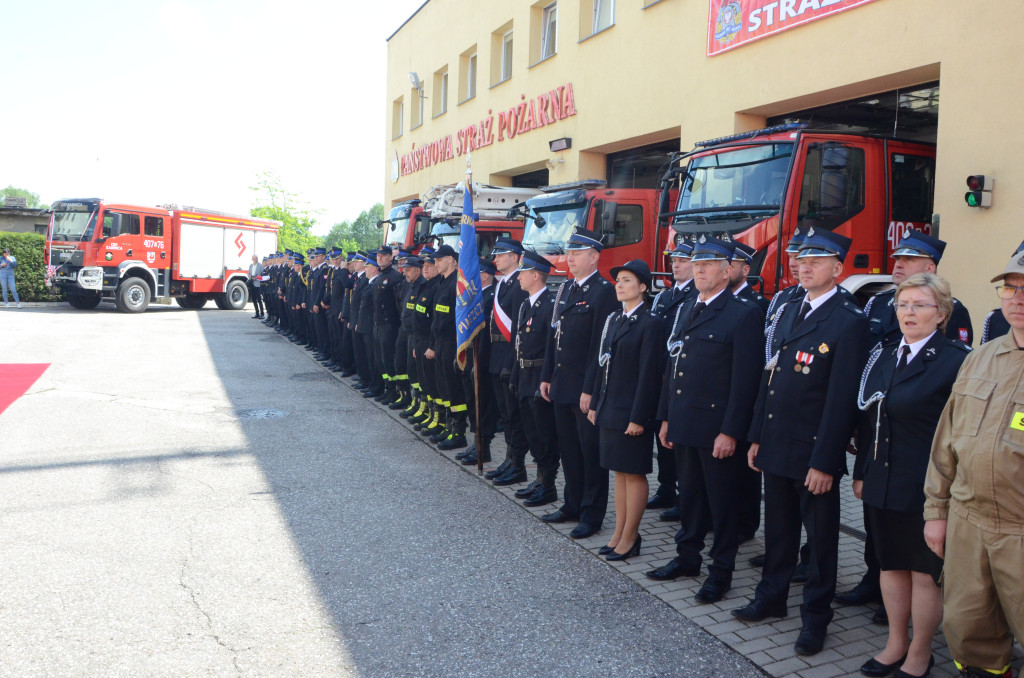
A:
(360, 234)
(31, 198)
(297, 219)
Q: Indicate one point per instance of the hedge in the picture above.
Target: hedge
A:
(30, 274)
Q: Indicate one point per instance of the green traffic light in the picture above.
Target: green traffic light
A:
(973, 198)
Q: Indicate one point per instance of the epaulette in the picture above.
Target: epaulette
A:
(959, 344)
(956, 301)
(853, 308)
(737, 298)
(604, 281)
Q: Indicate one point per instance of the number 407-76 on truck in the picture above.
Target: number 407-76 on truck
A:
(135, 255)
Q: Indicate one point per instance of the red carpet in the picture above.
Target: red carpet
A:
(16, 379)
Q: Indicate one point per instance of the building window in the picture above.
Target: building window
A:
(154, 226)
(506, 56)
(440, 105)
(396, 118)
(467, 74)
(604, 14)
(549, 26)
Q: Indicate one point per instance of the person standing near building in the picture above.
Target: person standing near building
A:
(665, 305)
(530, 333)
(387, 317)
(804, 417)
(716, 354)
(374, 388)
(903, 391)
(508, 297)
(8, 262)
(427, 420)
(974, 504)
(442, 350)
(405, 362)
(484, 408)
(255, 282)
(625, 402)
(581, 307)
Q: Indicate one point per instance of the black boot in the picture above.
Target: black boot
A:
(456, 437)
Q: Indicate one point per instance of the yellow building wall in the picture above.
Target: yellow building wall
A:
(647, 79)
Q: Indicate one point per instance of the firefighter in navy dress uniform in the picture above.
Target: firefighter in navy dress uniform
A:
(793, 292)
(716, 354)
(581, 306)
(803, 420)
(530, 337)
(916, 253)
(665, 305)
(508, 297)
(631, 361)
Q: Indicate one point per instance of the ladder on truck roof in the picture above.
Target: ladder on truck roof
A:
(489, 202)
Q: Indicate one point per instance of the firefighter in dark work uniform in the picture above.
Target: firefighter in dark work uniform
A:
(442, 351)
(405, 365)
(666, 303)
(427, 418)
(581, 307)
(387, 317)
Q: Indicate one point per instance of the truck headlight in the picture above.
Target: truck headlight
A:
(91, 278)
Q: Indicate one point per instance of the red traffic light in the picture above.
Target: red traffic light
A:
(979, 182)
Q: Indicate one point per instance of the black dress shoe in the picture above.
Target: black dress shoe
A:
(528, 490)
(809, 642)
(757, 561)
(542, 496)
(583, 530)
(712, 591)
(634, 550)
(673, 569)
(758, 610)
(876, 669)
(337, 368)
(504, 466)
(605, 550)
(880, 617)
(472, 459)
(513, 477)
(861, 594)
(670, 515)
(373, 394)
(661, 501)
(558, 516)
(931, 663)
(466, 452)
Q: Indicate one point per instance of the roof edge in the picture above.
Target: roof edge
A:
(407, 21)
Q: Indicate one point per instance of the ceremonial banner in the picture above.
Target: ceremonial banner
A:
(469, 302)
(732, 23)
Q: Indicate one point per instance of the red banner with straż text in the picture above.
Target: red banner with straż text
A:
(732, 23)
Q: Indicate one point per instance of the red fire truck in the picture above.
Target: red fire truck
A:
(437, 217)
(625, 218)
(758, 187)
(135, 255)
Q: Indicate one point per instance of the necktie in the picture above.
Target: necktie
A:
(697, 309)
(805, 308)
(901, 364)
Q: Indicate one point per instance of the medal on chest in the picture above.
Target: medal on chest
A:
(803, 362)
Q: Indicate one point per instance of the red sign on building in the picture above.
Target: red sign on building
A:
(732, 23)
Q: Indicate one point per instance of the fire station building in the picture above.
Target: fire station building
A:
(544, 92)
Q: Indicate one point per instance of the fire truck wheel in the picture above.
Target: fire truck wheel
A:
(132, 296)
(235, 296)
(84, 301)
(191, 301)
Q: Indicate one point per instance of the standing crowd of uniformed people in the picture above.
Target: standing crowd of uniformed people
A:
(737, 398)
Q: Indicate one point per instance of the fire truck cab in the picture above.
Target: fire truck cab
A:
(758, 187)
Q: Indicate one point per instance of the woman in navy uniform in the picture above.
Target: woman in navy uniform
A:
(805, 415)
(904, 389)
(631, 359)
(716, 350)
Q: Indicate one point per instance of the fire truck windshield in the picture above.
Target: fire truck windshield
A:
(548, 228)
(73, 221)
(396, 231)
(736, 184)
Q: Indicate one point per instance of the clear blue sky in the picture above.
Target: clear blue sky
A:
(188, 101)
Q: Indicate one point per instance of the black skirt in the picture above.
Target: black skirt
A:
(627, 454)
(899, 543)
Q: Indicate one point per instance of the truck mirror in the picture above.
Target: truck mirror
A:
(115, 225)
(609, 240)
(539, 221)
(608, 212)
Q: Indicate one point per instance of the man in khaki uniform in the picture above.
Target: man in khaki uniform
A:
(974, 502)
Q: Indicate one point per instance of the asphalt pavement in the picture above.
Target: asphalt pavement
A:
(186, 493)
